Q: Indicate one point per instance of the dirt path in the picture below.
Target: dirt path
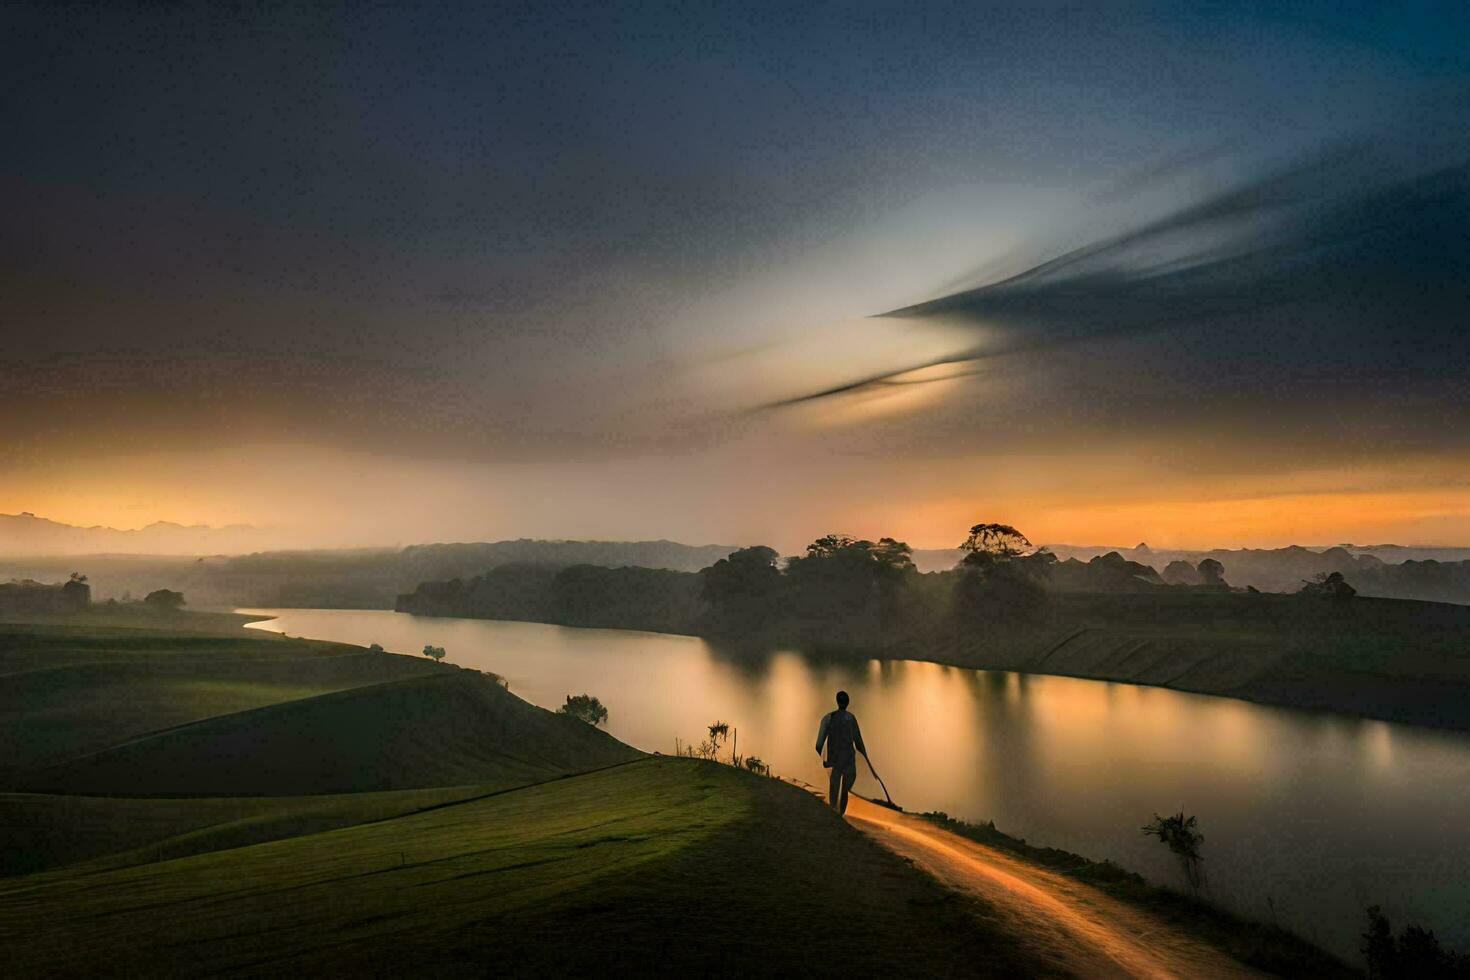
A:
(1080, 929)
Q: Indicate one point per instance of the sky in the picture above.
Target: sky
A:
(742, 273)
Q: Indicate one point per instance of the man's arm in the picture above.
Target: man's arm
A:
(822, 732)
(857, 736)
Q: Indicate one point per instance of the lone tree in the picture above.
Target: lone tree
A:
(718, 733)
(997, 579)
(584, 707)
(1327, 586)
(437, 653)
(164, 600)
(1184, 841)
(988, 543)
(1211, 572)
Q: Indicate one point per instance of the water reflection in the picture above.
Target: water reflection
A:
(1321, 814)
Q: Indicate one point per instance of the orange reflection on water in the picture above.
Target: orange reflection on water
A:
(1312, 809)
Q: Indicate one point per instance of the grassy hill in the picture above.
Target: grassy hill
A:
(450, 727)
(300, 807)
(46, 830)
(649, 866)
(50, 715)
(77, 685)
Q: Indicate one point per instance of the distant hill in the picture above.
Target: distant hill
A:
(367, 578)
(373, 578)
(1388, 571)
(27, 534)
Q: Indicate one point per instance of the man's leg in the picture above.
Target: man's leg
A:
(836, 795)
(849, 776)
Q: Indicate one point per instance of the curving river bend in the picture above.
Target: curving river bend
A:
(1308, 817)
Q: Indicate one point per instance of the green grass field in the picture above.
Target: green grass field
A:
(198, 800)
(50, 830)
(653, 865)
(451, 727)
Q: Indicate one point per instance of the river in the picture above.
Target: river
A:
(1308, 817)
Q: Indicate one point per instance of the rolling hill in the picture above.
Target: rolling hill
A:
(633, 869)
(452, 727)
(534, 844)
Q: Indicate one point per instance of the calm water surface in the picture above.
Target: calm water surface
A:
(1321, 815)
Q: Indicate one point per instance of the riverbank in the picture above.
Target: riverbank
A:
(1097, 886)
(374, 814)
(1388, 659)
(419, 816)
(1091, 918)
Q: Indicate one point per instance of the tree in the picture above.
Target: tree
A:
(990, 542)
(1211, 572)
(710, 747)
(838, 575)
(744, 578)
(164, 600)
(584, 707)
(77, 594)
(718, 732)
(997, 580)
(1415, 955)
(436, 653)
(1179, 833)
(1327, 586)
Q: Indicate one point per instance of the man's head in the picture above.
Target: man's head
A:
(841, 700)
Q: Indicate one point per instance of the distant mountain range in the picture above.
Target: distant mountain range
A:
(1255, 563)
(237, 568)
(27, 534)
(364, 578)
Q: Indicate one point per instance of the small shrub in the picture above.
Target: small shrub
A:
(584, 707)
(1179, 833)
(164, 600)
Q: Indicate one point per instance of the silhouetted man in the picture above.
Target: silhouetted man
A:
(840, 733)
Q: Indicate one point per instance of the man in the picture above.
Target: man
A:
(840, 733)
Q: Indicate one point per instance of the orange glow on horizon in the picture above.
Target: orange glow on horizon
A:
(319, 498)
(1410, 517)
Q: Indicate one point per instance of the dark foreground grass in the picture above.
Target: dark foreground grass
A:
(658, 866)
(47, 831)
(1266, 947)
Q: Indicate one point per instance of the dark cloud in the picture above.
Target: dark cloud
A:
(1332, 286)
(469, 229)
